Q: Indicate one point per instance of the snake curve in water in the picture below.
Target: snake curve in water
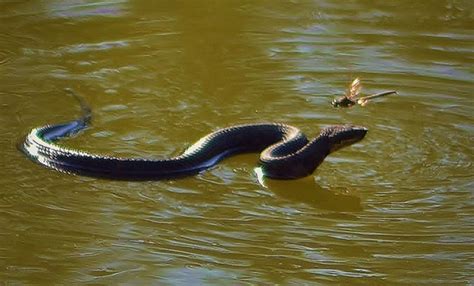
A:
(286, 153)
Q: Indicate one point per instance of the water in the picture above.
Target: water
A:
(395, 209)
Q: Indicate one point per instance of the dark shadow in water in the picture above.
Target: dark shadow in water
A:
(307, 191)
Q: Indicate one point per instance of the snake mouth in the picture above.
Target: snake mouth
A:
(347, 136)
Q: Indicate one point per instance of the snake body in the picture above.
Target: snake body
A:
(286, 153)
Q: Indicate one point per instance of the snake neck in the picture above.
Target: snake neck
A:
(313, 154)
(300, 163)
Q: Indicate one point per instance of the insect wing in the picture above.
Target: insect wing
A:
(354, 89)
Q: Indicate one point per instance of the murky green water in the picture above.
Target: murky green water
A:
(396, 209)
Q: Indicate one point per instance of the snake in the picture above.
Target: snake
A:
(285, 151)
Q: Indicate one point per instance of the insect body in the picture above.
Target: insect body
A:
(354, 90)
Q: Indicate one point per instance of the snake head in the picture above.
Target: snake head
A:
(341, 136)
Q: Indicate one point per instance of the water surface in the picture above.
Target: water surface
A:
(395, 209)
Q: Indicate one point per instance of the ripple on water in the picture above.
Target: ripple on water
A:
(5, 57)
(83, 9)
(9, 44)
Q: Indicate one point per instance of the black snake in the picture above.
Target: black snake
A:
(286, 153)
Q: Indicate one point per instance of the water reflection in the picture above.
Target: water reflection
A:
(86, 8)
(307, 191)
